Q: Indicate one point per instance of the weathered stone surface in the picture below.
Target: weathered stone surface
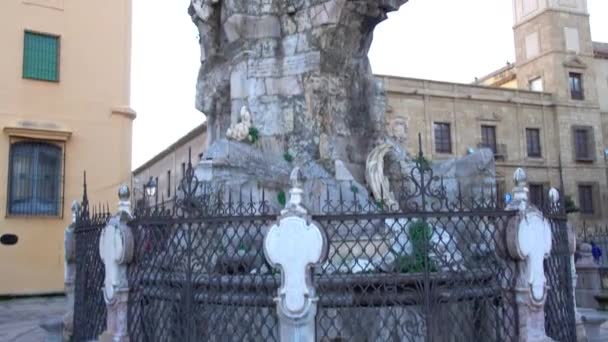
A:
(302, 69)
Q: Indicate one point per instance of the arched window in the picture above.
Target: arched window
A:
(35, 179)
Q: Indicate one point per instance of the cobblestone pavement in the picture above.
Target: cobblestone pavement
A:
(20, 318)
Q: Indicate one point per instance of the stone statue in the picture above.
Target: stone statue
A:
(301, 67)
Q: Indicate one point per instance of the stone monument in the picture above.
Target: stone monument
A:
(300, 67)
(287, 83)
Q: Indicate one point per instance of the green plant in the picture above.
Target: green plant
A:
(354, 189)
(423, 163)
(420, 235)
(288, 157)
(282, 198)
(380, 204)
(569, 204)
(254, 135)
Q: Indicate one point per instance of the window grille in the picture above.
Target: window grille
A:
(35, 179)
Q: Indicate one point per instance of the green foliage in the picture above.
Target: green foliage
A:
(380, 204)
(570, 205)
(254, 135)
(288, 157)
(354, 189)
(423, 163)
(282, 198)
(420, 235)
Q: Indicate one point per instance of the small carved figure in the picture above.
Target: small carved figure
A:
(240, 130)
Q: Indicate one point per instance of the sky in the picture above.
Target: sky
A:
(445, 40)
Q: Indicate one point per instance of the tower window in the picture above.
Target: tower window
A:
(488, 137)
(585, 198)
(443, 138)
(576, 86)
(584, 143)
(533, 142)
(41, 57)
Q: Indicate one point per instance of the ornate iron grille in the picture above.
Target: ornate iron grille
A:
(427, 265)
(560, 321)
(89, 304)
(199, 273)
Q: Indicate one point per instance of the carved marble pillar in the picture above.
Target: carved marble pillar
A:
(529, 243)
(295, 244)
(69, 275)
(116, 251)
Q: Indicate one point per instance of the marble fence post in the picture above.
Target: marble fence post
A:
(295, 244)
(529, 243)
(69, 275)
(116, 251)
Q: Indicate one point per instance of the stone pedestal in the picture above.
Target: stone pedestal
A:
(116, 325)
(589, 282)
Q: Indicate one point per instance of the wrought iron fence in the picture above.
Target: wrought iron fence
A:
(425, 263)
(560, 321)
(89, 304)
(199, 272)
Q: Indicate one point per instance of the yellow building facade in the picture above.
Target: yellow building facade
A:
(64, 109)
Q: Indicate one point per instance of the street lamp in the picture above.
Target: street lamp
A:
(150, 187)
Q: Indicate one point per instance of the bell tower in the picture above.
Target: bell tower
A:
(554, 50)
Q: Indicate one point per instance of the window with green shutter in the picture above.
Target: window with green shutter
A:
(41, 57)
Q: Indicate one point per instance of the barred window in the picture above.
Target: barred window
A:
(488, 137)
(443, 138)
(533, 142)
(585, 198)
(41, 57)
(35, 179)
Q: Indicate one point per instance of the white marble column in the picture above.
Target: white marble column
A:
(529, 243)
(116, 251)
(295, 245)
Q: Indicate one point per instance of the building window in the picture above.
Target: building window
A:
(536, 84)
(41, 57)
(583, 143)
(443, 138)
(35, 179)
(537, 194)
(533, 142)
(488, 137)
(585, 199)
(169, 183)
(576, 86)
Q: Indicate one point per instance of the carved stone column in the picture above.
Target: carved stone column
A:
(116, 251)
(295, 245)
(69, 275)
(529, 243)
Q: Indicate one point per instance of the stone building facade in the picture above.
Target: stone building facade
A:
(167, 168)
(64, 109)
(547, 112)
